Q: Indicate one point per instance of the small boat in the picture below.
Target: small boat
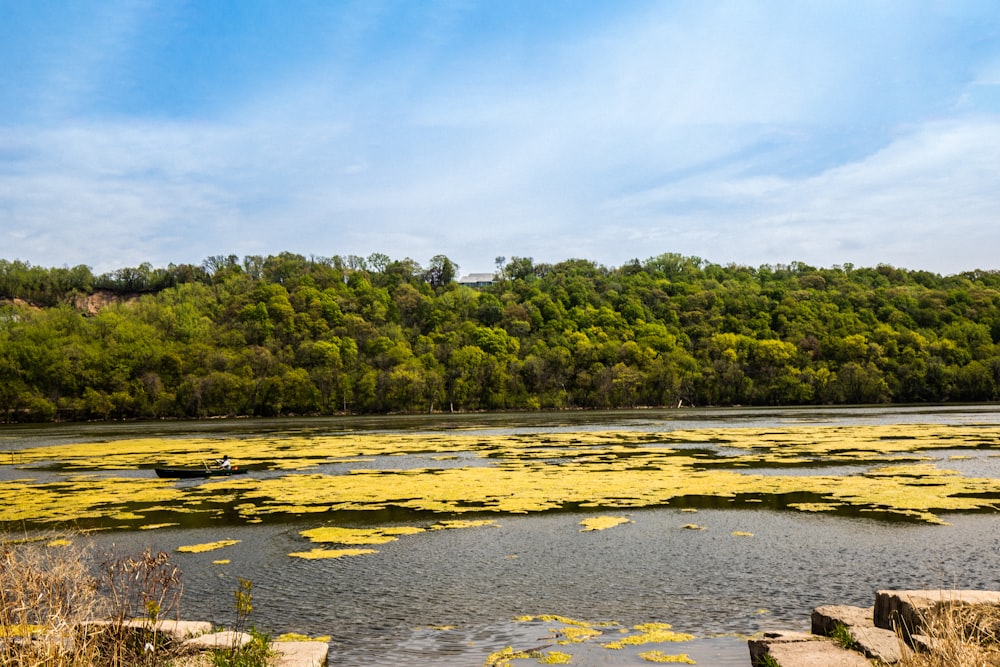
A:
(192, 473)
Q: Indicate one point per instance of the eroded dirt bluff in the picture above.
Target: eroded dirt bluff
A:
(18, 302)
(89, 304)
(92, 303)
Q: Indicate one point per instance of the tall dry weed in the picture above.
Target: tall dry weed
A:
(957, 635)
(46, 591)
(59, 607)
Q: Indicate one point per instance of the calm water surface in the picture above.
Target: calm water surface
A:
(449, 597)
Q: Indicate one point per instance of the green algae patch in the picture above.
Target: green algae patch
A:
(154, 526)
(358, 535)
(20, 630)
(78, 499)
(318, 554)
(572, 631)
(207, 546)
(814, 507)
(299, 637)
(463, 523)
(661, 657)
(650, 633)
(602, 523)
(503, 657)
(508, 474)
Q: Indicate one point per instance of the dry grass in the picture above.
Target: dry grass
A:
(957, 635)
(52, 591)
(46, 592)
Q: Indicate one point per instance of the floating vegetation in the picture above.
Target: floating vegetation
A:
(298, 637)
(660, 656)
(650, 633)
(741, 533)
(207, 546)
(19, 630)
(571, 631)
(573, 634)
(60, 542)
(550, 618)
(890, 474)
(555, 658)
(692, 526)
(503, 657)
(814, 507)
(317, 554)
(602, 523)
(221, 561)
(357, 535)
(463, 523)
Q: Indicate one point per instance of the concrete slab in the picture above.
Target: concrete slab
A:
(803, 650)
(224, 639)
(300, 654)
(178, 630)
(825, 618)
(907, 609)
(872, 642)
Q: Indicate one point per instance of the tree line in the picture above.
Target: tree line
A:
(286, 334)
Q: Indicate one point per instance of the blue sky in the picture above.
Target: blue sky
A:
(757, 133)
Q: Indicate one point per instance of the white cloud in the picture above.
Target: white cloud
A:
(735, 132)
(926, 201)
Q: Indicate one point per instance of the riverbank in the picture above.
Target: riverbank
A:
(910, 628)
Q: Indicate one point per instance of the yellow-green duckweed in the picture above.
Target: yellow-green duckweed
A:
(661, 657)
(463, 523)
(207, 546)
(317, 554)
(358, 535)
(602, 523)
(298, 637)
(650, 633)
(510, 474)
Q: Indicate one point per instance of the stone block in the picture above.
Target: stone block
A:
(798, 649)
(178, 630)
(872, 642)
(224, 639)
(827, 617)
(906, 610)
(299, 654)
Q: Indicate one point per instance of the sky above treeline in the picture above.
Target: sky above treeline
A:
(830, 133)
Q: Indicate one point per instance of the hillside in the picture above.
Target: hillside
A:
(286, 334)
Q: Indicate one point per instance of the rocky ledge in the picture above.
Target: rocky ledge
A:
(200, 638)
(881, 634)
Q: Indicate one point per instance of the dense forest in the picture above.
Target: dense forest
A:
(287, 334)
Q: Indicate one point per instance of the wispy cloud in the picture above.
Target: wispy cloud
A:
(752, 133)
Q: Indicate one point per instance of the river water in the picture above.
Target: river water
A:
(450, 597)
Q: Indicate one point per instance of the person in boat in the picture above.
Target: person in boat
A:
(224, 463)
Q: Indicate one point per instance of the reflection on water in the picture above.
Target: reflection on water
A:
(450, 597)
(14, 437)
